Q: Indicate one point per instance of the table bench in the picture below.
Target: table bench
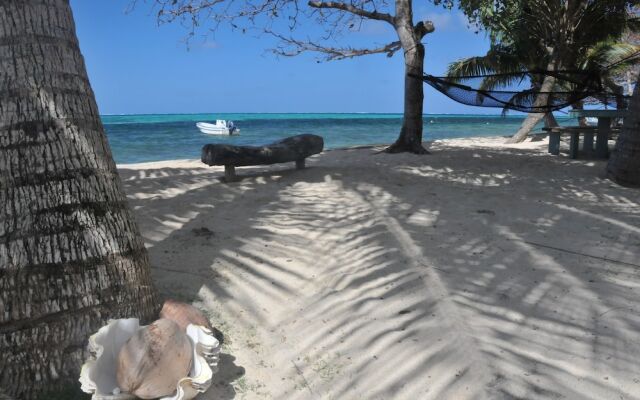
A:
(605, 117)
(575, 131)
(292, 149)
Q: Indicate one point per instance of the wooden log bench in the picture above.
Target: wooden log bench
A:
(292, 149)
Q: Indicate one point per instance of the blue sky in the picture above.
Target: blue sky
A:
(138, 67)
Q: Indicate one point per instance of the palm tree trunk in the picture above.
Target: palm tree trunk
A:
(582, 121)
(550, 120)
(532, 119)
(624, 164)
(71, 256)
(527, 126)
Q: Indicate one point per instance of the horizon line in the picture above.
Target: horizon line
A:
(297, 113)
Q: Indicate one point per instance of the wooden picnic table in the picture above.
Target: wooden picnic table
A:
(604, 126)
(574, 132)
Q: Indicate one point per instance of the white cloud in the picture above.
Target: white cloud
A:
(447, 21)
(372, 28)
(210, 44)
(441, 22)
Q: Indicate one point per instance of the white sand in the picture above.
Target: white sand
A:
(481, 271)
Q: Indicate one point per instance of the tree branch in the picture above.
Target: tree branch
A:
(423, 28)
(353, 10)
(332, 53)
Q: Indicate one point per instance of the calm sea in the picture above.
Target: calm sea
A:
(142, 138)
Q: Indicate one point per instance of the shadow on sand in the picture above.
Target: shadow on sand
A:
(466, 274)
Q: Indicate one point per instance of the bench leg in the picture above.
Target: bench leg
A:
(602, 138)
(554, 143)
(574, 144)
(587, 146)
(300, 164)
(229, 173)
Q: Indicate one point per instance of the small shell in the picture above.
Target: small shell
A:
(154, 360)
(183, 314)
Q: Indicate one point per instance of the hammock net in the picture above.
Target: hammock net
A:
(575, 87)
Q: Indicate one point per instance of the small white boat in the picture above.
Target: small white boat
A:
(591, 121)
(221, 127)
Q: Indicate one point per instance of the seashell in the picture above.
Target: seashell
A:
(154, 359)
(206, 350)
(98, 374)
(183, 314)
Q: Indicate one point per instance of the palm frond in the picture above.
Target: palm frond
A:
(472, 66)
(611, 57)
(502, 81)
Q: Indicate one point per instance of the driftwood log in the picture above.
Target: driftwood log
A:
(292, 149)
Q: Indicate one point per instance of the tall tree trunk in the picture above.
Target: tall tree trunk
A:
(532, 119)
(579, 105)
(71, 256)
(624, 164)
(618, 93)
(410, 139)
(550, 120)
(527, 126)
(621, 104)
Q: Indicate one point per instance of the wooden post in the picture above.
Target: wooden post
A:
(574, 144)
(300, 164)
(554, 143)
(587, 145)
(602, 138)
(229, 173)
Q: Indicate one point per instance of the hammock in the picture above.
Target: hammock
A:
(586, 87)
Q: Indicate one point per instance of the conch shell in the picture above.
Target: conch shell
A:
(183, 314)
(154, 359)
(98, 374)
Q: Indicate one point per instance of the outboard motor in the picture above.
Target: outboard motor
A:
(231, 126)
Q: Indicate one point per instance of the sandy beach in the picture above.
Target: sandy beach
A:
(481, 271)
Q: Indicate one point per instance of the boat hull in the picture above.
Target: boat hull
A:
(211, 129)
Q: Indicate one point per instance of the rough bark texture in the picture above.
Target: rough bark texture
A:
(550, 120)
(71, 256)
(532, 119)
(293, 148)
(582, 121)
(410, 139)
(624, 164)
(527, 126)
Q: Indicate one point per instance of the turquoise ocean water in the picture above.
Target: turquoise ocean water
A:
(142, 138)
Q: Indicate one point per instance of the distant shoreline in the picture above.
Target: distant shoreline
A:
(191, 160)
(426, 143)
(140, 138)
